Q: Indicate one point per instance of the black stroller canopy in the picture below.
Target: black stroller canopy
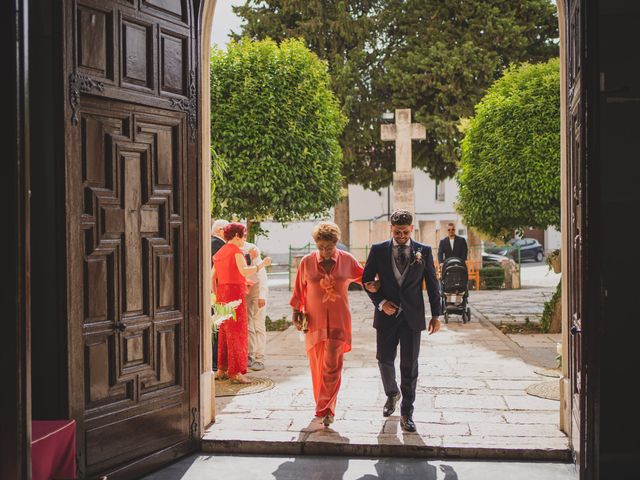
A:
(451, 261)
(454, 289)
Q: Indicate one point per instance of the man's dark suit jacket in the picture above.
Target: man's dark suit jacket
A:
(408, 296)
(459, 249)
(216, 244)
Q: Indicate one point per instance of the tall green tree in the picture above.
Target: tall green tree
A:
(275, 131)
(344, 33)
(509, 176)
(436, 57)
(440, 56)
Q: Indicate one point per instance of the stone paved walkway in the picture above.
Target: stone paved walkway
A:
(515, 307)
(511, 306)
(471, 399)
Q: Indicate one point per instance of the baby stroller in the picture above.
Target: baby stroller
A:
(454, 289)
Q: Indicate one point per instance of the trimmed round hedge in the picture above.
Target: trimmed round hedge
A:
(509, 174)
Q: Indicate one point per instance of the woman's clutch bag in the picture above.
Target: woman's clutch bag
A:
(302, 320)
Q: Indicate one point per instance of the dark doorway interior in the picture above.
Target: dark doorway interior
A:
(48, 351)
(615, 171)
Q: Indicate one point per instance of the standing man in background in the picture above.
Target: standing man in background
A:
(452, 246)
(217, 236)
(258, 291)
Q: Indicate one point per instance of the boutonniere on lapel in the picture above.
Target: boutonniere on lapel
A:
(417, 256)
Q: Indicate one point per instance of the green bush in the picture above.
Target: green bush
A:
(277, 325)
(275, 132)
(549, 307)
(509, 175)
(492, 277)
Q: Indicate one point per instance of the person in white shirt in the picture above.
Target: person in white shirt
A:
(452, 246)
(258, 291)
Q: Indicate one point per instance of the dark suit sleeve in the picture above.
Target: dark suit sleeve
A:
(464, 249)
(433, 291)
(369, 274)
(440, 252)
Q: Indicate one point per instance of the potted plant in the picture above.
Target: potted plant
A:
(553, 260)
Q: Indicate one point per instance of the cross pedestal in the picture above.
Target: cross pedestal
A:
(403, 132)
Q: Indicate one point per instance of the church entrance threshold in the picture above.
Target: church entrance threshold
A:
(471, 400)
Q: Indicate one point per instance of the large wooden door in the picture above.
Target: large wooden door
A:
(576, 191)
(131, 178)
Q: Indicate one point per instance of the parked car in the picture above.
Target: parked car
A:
(530, 249)
(489, 259)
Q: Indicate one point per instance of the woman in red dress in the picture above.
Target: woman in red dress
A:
(230, 270)
(321, 292)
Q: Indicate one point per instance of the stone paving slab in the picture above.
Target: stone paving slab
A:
(471, 400)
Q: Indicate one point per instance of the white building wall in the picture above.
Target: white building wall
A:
(280, 238)
(367, 205)
(552, 239)
(364, 205)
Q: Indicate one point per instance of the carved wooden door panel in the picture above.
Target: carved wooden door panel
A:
(576, 202)
(132, 232)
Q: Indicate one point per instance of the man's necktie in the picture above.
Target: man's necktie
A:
(402, 259)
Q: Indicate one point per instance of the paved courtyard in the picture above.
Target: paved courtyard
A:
(516, 307)
(471, 398)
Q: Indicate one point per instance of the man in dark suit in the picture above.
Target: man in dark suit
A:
(393, 277)
(217, 236)
(452, 246)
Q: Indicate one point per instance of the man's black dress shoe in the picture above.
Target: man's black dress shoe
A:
(406, 422)
(390, 405)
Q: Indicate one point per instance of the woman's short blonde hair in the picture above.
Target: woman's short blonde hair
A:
(326, 231)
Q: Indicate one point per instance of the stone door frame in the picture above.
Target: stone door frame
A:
(207, 400)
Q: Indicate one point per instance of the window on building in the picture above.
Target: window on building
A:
(439, 191)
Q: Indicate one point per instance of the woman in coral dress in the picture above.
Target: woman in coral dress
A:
(230, 270)
(321, 292)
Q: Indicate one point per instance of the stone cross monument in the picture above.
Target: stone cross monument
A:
(403, 132)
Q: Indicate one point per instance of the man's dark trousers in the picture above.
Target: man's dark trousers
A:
(387, 340)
